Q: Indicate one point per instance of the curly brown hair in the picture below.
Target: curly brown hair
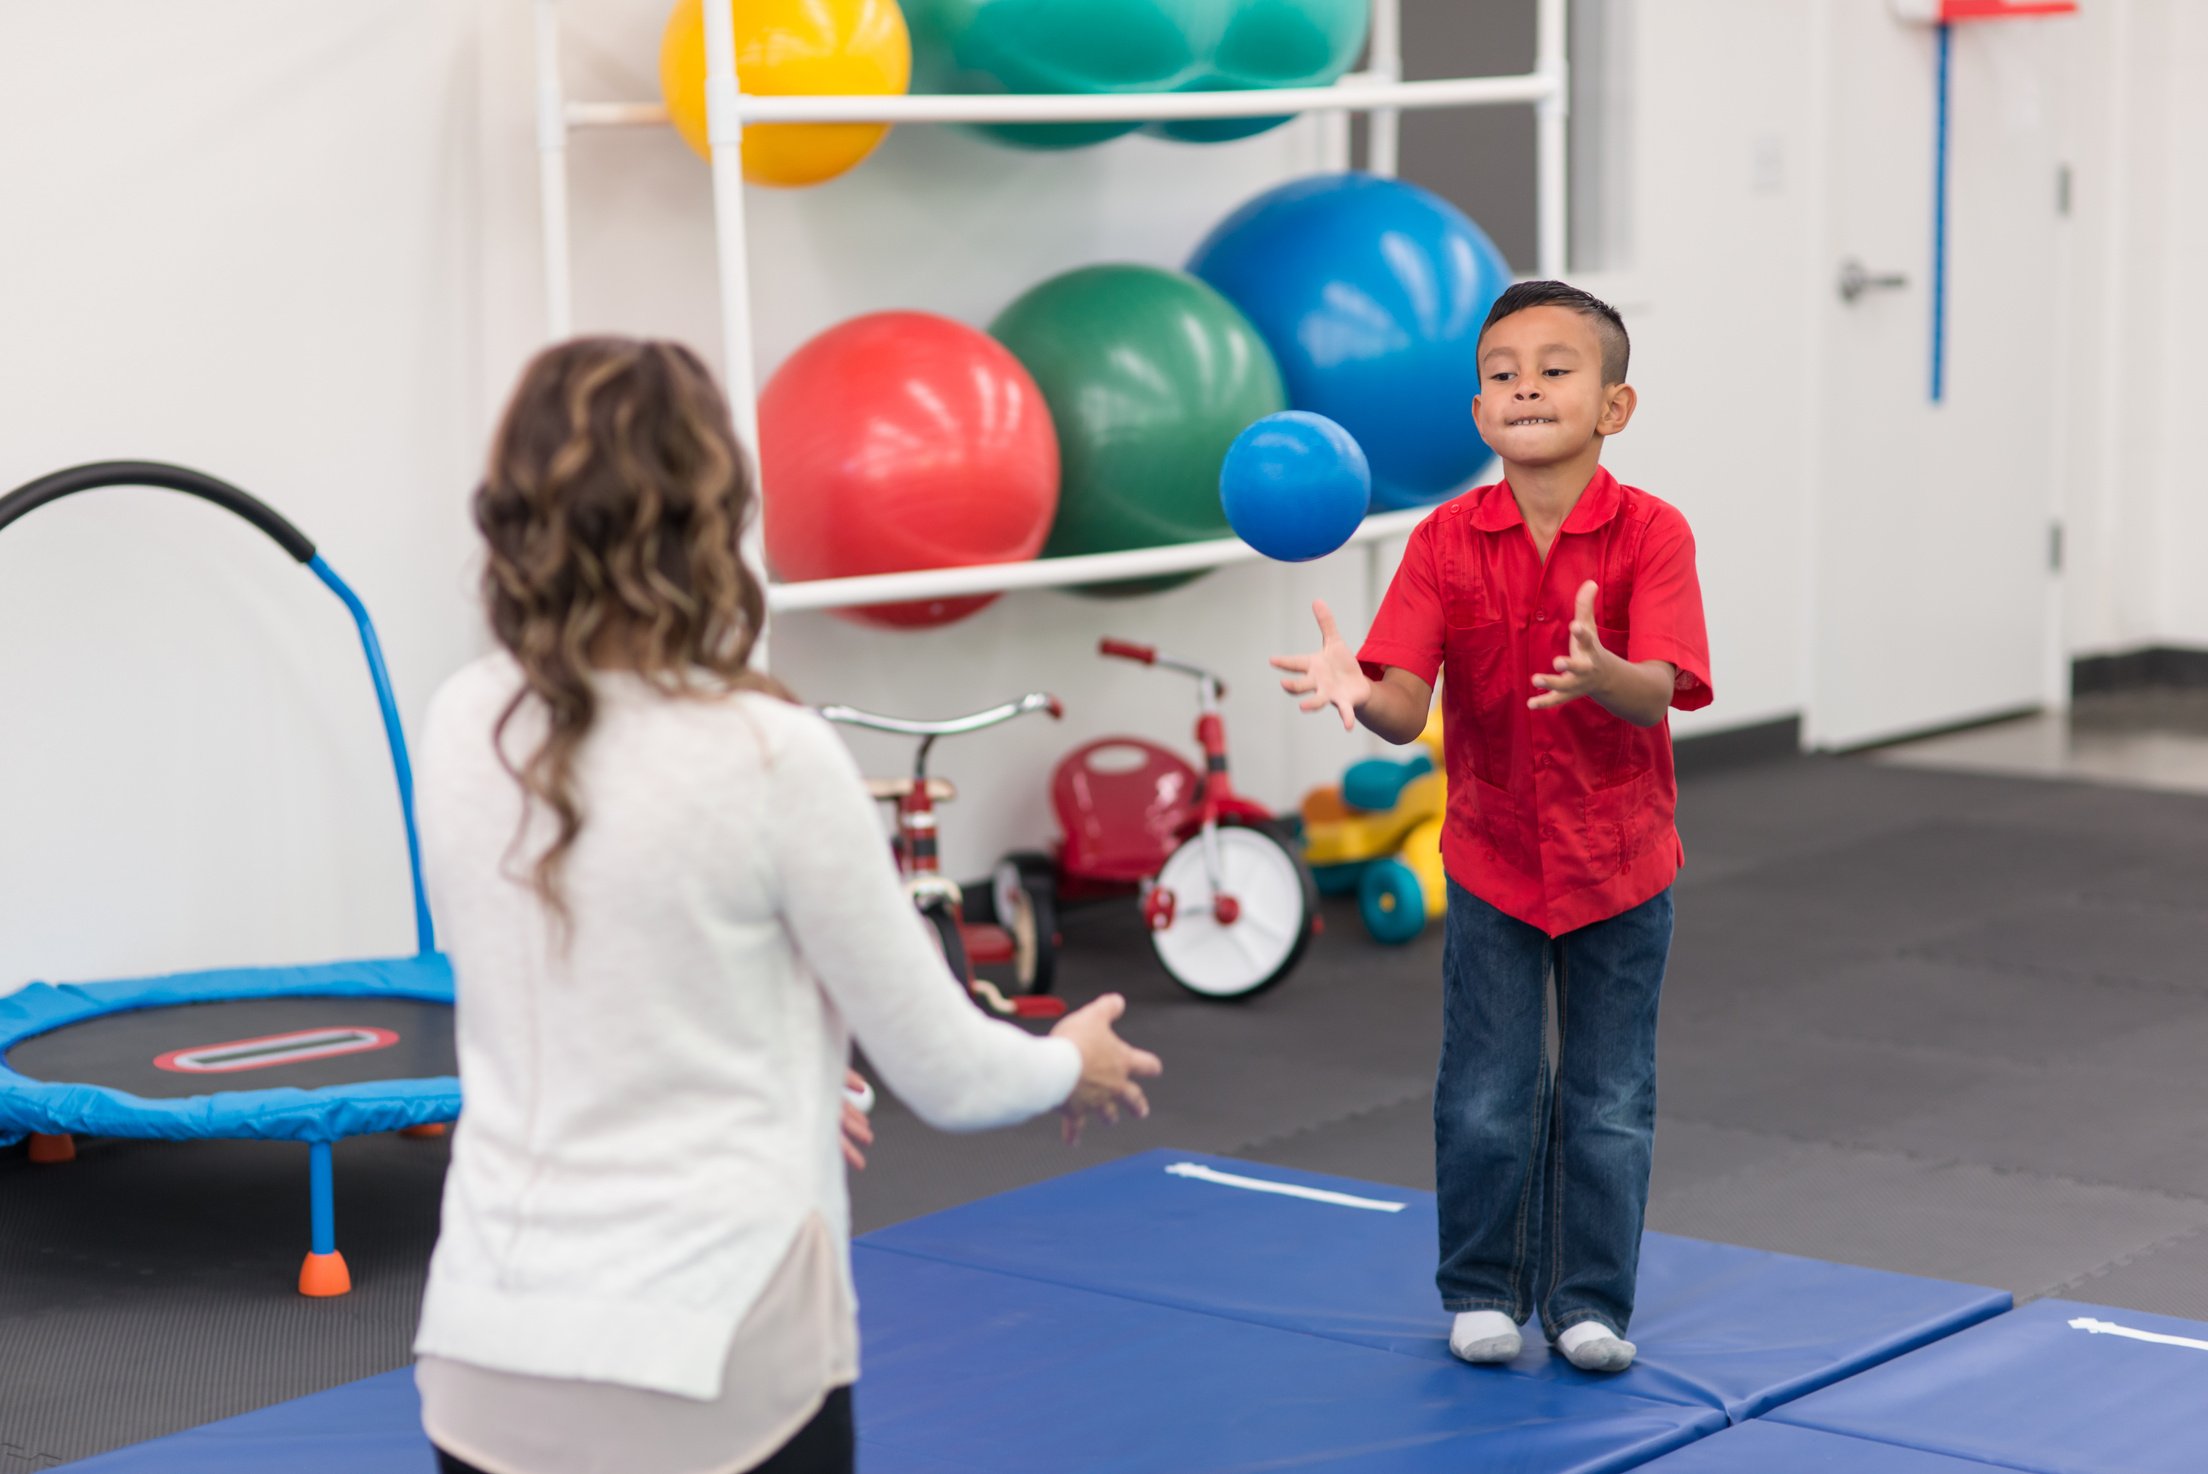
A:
(611, 508)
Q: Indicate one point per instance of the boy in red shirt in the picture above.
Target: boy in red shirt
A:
(1564, 609)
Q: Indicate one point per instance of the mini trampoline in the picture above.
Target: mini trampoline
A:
(310, 1054)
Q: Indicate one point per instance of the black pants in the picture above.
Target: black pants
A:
(826, 1445)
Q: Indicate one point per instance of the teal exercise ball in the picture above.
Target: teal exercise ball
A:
(1094, 47)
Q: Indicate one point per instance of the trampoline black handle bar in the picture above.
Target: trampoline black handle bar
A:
(32, 495)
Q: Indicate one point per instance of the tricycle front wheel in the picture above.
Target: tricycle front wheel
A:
(1239, 950)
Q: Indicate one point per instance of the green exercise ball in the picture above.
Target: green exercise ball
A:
(1149, 375)
(1086, 47)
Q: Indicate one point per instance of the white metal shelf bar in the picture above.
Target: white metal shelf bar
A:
(1552, 114)
(1384, 59)
(559, 289)
(724, 123)
(1116, 107)
(1043, 573)
(1383, 157)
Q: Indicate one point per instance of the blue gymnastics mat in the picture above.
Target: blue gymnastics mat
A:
(967, 1369)
(367, 1427)
(2053, 1388)
(1722, 1327)
(1767, 1447)
(971, 1372)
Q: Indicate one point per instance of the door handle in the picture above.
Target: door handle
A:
(1856, 279)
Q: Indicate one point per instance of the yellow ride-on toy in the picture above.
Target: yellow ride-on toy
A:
(1379, 835)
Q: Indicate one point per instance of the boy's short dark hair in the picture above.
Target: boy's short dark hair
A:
(1617, 348)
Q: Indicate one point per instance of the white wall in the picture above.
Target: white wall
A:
(2137, 302)
(239, 236)
(1715, 301)
(297, 246)
(2167, 315)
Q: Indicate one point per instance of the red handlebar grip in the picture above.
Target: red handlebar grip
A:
(1057, 709)
(1127, 650)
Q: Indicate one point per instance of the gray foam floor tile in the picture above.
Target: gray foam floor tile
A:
(1392, 1143)
(1946, 1220)
(2169, 1279)
(2153, 823)
(150, 1286)
(1690, 1154)
(2177, 882)
(1924, 1003)
(1753, 816)
(1895, 889)
(2082, 938)
(1796, 1083)
(2131, 1113)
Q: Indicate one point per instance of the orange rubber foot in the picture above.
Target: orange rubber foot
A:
(53, 1148)
(426, 1129)
(324, 1275)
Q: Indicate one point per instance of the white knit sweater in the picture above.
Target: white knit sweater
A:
(652, 1112)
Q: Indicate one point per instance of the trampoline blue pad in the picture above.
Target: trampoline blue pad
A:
(998, 1374)
(368, 1427)
(327, 1114)
(1766, 1447)
(2031, 1391)
(1718, 1326)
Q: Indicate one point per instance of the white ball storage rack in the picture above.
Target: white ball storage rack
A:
(1378, 91)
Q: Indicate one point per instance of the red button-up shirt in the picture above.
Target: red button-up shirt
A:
(1563, 816)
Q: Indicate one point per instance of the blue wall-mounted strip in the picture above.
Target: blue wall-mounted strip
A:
(1939, 217)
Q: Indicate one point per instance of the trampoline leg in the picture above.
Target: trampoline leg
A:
(53, 1148)
(324, 1273)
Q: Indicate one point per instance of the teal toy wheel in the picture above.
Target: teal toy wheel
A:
(1391, 901)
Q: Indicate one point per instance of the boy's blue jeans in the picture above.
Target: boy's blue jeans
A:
(1544, 1183)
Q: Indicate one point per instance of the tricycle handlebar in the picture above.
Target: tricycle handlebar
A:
(851, 716)
(1127, 650)
(1150, 655)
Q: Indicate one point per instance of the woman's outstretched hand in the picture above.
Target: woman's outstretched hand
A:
(1109, 1067)
(1329, 675)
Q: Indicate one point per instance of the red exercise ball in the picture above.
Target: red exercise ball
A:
(903, 440)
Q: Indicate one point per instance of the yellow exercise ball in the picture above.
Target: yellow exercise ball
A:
(785, 47)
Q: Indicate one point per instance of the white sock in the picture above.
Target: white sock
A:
(1592, 1347)
(1484, 1336)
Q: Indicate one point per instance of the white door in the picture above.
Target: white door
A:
(1933, 581)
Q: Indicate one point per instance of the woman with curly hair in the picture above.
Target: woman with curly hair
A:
(669, 909)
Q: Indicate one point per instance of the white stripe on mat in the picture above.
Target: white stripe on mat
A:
(2110, 1328)
(1284, 1189)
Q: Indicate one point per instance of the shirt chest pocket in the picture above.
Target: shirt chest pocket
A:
(1480, 666)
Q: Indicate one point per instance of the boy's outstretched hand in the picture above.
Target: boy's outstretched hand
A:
(1581, 672)
(1330, 675)
(1637, 691)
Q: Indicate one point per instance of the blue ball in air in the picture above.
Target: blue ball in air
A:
(1295, 486)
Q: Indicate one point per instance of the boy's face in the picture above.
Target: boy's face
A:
(1542, 400)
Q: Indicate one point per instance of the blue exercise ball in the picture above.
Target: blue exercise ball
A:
(1370, 293)
(1294, 486)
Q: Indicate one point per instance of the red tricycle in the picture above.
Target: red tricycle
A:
(1229, 903)
(1018, 938)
